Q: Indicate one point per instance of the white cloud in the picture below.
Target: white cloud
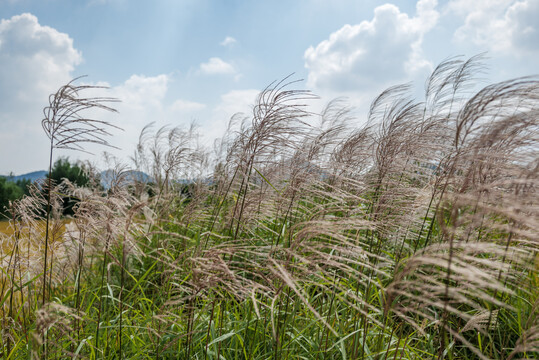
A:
(215, 66)
(142, 93)
(372, 54)
(236, 101)
(186, 106)
(231, 103)
(499, 25)
(144, 99)
(228, 41)
(35, 60)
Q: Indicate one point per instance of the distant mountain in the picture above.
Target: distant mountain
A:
(107, 177)
(32, 176)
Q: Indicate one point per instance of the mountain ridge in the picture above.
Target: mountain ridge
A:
(106, 176)
(32, 176)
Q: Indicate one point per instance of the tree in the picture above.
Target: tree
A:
(24, 185)
(63, 169)
(75, 173)
(9, 191)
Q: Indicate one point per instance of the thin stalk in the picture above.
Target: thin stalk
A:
(47, 224)
(285, 219)
(245, 333)
(218, 209)
(330, 309)
(403, 347)
(389, 342)
(446, 300)
(424, 221)
(190, 325)
(78, 280)
(122, 271)
(17, 259)
(209, 327)
(280, 339)
(243, 201)
(101, 301)
(254, 338)
(221, 315)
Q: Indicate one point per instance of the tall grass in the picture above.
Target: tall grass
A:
(413, 236)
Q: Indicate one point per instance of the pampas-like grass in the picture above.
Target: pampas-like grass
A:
(413, 235)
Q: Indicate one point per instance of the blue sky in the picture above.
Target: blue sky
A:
(174, 62)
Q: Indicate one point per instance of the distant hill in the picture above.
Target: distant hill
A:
(32, 176)
(107, 177)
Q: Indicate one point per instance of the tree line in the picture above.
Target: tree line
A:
(63, 169)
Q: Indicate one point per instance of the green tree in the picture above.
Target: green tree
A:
(63, 169)
(9, 191)
(24, 185)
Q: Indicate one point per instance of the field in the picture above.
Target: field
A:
(4, 227)
(299, 236)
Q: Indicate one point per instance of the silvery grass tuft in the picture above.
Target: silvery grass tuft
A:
(67, 126)
(411, 236)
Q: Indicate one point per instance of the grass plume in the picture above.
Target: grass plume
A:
(300, 235)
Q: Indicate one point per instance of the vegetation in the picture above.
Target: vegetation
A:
(62, 169)
(413, 236)
(9, 191)
(75, 173)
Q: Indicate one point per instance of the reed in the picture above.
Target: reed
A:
(300, 235)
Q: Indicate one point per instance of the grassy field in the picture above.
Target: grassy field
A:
(4, 227)
(7, 229)
(301, 236)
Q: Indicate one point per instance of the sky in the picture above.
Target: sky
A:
(183, 61)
